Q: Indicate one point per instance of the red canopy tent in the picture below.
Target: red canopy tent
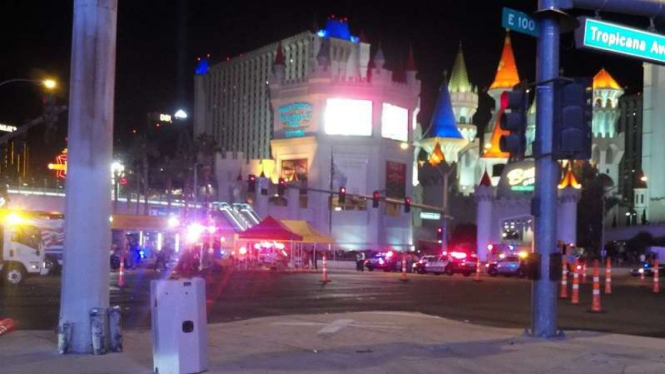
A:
(269, 229)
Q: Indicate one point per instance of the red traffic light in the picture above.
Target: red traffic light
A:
(407, 205)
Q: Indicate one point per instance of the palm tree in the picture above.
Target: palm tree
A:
(142, 150)
(206, 148)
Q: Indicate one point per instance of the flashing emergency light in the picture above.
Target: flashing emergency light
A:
(242, 251)
(173, 222)
(523, 254)
(211, 229)
(389, 254)
(458, 255)
(14, 219)
(194, 231)
(490, 247)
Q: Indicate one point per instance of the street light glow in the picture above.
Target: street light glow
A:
(180, 114)
(49, 83)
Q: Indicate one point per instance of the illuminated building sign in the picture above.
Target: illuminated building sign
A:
(295, 115)
(522, 179)
(60, 166)
(348, 117)
(395, 122)
(165, 118)
(7, 128)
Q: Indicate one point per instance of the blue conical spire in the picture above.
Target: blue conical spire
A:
(443, 121)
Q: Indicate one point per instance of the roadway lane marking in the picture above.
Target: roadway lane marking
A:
(335, 326)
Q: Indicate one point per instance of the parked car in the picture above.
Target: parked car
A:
(508, 266)
(436, 265)
(461, 262)
(419, 266)
(647, 269)
(385, 261)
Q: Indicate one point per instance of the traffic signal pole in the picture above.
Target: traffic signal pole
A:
(544, 291)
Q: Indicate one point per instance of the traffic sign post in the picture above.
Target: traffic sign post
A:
(614, 38)
(520, 22)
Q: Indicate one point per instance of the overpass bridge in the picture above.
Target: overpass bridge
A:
(239, 216)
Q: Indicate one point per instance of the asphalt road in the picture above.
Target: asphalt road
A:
(505, 302)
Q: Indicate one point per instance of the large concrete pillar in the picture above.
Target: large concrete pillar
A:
(85, 280)
(484, 201)
(567, 220)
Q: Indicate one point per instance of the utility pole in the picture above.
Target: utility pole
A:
(85, 279)
(544, 292)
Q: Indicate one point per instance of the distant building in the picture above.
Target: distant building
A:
(232, 98)
(336, 123)
(630, 124)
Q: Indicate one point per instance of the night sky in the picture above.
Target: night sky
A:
(159, 40)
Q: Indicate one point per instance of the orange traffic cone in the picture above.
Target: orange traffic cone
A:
(656, 283)
(595, 304)
(478, 267)
(121, 272)
(575, 297)
(608, 276)
(7, 325)
(584, 273)
(403, 278)
(564, 280)
(324, 274)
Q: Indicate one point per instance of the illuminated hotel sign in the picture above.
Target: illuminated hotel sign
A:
(522, 179)
(295, 114)
(7, 128)
(611, 37)
(60, 167)
(295, 117)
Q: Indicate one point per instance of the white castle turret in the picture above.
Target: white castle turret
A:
(485, 200)
(608, 144)
(569, 196)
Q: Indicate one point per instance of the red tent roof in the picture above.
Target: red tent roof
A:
(269, 229)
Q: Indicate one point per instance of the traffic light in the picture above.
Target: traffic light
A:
(573, 113)
(514, 120)
(251, 183)
(439, 234)
(376, 197)
(407, 205)
(342, 195)
(281, 185)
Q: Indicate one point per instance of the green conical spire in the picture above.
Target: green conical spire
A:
(459, 79)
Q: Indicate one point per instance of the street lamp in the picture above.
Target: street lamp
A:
(49, 84)
(436, 158)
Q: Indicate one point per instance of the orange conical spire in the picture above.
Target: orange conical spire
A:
(603, 80)
(493, 150)
(437, 156)
(569, 180)
(506, 72)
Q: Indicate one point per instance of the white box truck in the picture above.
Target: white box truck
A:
(22, 253)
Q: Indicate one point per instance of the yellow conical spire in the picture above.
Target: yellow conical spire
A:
(506, 72)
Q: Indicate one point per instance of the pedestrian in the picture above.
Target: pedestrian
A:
(358, 261)
(362, 261)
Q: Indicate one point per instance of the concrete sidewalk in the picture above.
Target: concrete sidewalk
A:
(370, 342)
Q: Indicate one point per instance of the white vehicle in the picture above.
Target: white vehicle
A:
(22, 252)
(437, 266)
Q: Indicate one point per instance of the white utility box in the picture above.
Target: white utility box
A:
(179, 330)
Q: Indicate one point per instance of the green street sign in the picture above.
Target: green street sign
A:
(519, 21)
(611, 37)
